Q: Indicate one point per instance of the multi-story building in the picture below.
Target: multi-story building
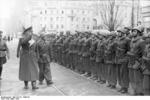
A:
(146, 13)
(71, 15)
(66, 15)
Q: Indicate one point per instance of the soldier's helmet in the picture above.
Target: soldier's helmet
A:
(140, 29)
(128, 28)
(113, 34)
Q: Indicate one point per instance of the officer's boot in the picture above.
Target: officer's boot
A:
(34, 87)
(124, 90)
(26, 85)
(113, 87)
(120, 89)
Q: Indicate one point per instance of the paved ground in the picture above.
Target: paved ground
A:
(66, 82)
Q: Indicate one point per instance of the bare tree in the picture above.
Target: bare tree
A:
(110, 13)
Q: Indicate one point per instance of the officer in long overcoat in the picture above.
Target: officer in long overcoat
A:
(28, 53)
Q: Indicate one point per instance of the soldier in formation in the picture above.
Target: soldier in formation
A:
(121, 57)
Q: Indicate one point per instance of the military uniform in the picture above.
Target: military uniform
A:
(106, 65)
(44, 61)
(75, 53)
(58, 48)
(146, 68)
(93, 65)
(65, 51)
(86, 56)
(76, 57)
(99, 59)
(136, 52)
(110, 60)
(123, 46)
(80, 51)
(52, 55)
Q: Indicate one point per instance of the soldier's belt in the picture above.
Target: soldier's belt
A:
(146, 58)
(120, 49)
(2, 49)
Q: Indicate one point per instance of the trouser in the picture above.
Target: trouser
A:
(138, 77)
(112, 74)
(99, 70)
(63, 59)
(76, 61)
(71, 61)
(146, 84)
(44, 72)
(67, 59)
(123, 75)
(104, 71)
(1, 69)
(131, 78)
(81, 63)
(86, 66)
(94, 67)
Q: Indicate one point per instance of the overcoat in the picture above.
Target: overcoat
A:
(28, 66)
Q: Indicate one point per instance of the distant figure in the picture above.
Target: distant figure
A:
(27, 51)
(8, 38)
(4, 51)
(5, 38)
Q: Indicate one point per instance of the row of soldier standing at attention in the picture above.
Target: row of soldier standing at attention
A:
(122, 56)
(119, 57)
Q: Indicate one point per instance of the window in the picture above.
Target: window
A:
(72, 19)
(83, 19)
(83, 26)
(51, 11)
(77, 19)
(77, 26)
(87, 27)
(71, 11)
(83, 12)
(57, 26)
(62, 12)
(45, 11)
(57, 18)
(51, 26)
(51, 18)
(62, 26)
(41, 12)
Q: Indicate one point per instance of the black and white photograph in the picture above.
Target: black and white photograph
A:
(74, 48)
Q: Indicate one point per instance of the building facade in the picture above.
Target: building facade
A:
(56, 16)
(72, 15)
(146, 14)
